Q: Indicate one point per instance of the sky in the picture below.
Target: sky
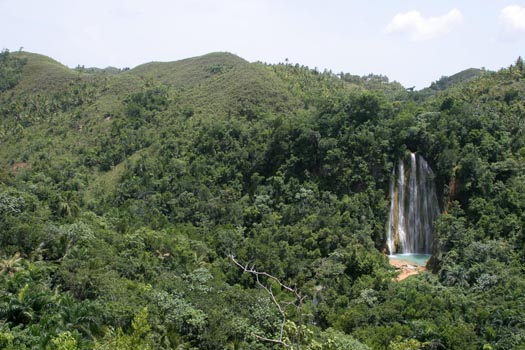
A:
(412, 42)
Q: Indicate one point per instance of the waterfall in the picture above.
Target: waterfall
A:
(413, 208)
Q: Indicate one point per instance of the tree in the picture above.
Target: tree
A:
(10, 70)
(289, 335)
(138, 338)
(11, 265)
(68, 204)
(63, 341)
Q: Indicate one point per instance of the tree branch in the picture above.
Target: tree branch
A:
(299, 299)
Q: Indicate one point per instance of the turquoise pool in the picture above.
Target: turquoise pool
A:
(416, 259)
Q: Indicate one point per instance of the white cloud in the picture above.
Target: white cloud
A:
(514, 17)
(423, 28)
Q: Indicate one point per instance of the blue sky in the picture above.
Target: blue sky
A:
(413, 42)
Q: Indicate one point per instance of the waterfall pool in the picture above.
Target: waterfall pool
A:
(416, 259)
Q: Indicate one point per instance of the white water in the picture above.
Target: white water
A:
(413, 208)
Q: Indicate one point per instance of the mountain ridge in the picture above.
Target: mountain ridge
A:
(189, 71)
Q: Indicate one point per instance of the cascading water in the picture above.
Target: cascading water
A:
(413, 208)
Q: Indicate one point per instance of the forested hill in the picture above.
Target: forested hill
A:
(458, 78)
(125, 193)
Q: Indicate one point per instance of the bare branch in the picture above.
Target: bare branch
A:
(276, 341)
(280, 306)
(265, 274)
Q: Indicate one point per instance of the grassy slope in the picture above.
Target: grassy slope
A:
(213, 85)
(188, 72)
(42, 73)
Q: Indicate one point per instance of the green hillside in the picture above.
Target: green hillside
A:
(191, 71)
(41, 73)
(458, 78)
(213, 203)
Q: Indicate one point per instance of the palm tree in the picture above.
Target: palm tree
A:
(10, 265)
(67, 204)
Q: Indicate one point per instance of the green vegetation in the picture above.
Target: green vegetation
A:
(464, 76)
(10, 70)
(124, 195)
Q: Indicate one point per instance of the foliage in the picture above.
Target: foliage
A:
(122, 194)
(10, 70)
(64, 341)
